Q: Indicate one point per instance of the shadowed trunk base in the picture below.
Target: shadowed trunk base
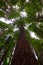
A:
(23, 54)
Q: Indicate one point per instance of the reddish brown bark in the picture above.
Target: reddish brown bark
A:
(23, 54)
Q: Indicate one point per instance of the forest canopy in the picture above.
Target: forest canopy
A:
(12, 14)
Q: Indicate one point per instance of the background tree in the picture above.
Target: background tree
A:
(30, 12)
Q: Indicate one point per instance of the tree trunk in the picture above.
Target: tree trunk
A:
(23, 54)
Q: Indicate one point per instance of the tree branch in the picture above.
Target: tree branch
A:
(7, 1)
(4, 10)
(39, 18)
(4, 56)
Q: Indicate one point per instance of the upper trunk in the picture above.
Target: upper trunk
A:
(23, 54)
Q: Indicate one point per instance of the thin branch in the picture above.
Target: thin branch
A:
(7, 1)
(39, 18)
(4, 10)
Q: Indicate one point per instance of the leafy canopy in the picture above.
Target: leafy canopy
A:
(30, 13)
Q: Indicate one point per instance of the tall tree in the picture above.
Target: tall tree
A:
(23, 54)
(13, 35)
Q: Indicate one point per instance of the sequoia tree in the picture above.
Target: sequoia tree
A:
(23, 54)
(21, 32)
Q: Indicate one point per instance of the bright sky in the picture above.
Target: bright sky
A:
(5, 20)
(33, 35)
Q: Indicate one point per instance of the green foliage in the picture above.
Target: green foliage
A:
(1, 13)
(37, 30)
(3, 25)
(38, 46)
(11, 9)
(13, 15)
(29, 8)
(2, 3)
(13, 2)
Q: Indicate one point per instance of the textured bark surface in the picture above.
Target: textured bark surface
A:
(23, 54)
